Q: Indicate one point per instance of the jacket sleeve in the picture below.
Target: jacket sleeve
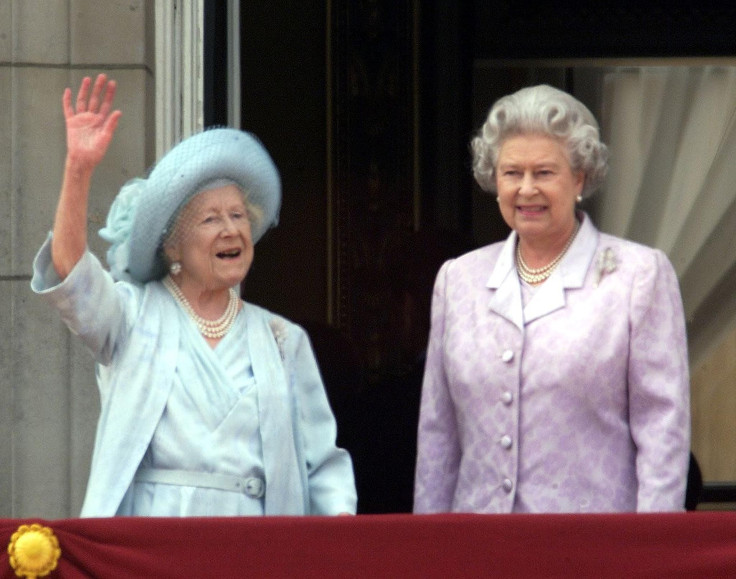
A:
(329, 471)
(87, 301)
(438, 446)
(659, 387)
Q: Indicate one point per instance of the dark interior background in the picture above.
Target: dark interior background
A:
(294, 56)
(368, 107)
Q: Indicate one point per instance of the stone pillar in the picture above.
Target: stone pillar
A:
(48, 398)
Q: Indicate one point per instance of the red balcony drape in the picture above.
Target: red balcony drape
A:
(692, 544)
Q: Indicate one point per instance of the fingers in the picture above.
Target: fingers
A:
(66, 103)
(81, 105)
(111, 123)
(109, 97)
(94, 102)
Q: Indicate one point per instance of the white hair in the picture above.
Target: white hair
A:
(542, 110)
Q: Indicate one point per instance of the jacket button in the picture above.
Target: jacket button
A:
(507, 397)
(506, 441)
(507, 356)
(507, 485)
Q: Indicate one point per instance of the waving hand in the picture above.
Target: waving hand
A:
(90, 122)
(90, 125)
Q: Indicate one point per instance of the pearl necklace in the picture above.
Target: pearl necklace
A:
(538, 275)
(208, 328)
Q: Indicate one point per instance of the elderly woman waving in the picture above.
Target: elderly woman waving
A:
(211, 406)
(557, 373)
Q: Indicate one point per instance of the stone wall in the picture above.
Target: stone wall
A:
(48, 399)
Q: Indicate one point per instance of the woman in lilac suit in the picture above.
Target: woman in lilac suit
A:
(557, 373)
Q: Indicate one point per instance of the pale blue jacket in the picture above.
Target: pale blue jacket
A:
(133, 333)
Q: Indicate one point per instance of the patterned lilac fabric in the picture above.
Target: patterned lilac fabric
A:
(577, 401)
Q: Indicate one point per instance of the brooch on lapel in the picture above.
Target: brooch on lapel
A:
(607, 263)
(279, 333)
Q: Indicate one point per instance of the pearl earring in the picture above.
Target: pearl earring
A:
(579, 198)
(175, 268)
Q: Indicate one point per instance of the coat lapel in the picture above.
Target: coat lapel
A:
(506, 300)
(551, 295)
(285, 490)
(139, 388)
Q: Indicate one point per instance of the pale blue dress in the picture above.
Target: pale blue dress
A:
(209, 425)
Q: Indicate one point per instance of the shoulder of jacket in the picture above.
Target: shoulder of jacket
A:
(629, 248)
(480, 257)
(284, 331)
(271, 318)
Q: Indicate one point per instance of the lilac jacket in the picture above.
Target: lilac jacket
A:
(577, 402)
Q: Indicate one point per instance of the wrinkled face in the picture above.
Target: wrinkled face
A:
(537, 188)
(212, 240)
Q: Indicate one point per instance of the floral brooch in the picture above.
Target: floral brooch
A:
(606, 263)
(278, 327)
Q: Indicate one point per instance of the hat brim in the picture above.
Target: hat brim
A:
(212, 155)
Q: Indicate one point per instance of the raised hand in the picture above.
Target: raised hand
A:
(91, 122)
(90, 125)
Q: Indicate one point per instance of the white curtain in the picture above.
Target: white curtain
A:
(672, 181)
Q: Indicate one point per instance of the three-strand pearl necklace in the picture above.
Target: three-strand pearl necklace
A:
(208, 328)
(538, 275)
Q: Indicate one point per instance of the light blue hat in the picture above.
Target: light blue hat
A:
(144, 211)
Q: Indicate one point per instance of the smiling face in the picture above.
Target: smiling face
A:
(212, 241)
(537, 189)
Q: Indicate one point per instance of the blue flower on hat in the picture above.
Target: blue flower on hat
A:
(119, 226)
